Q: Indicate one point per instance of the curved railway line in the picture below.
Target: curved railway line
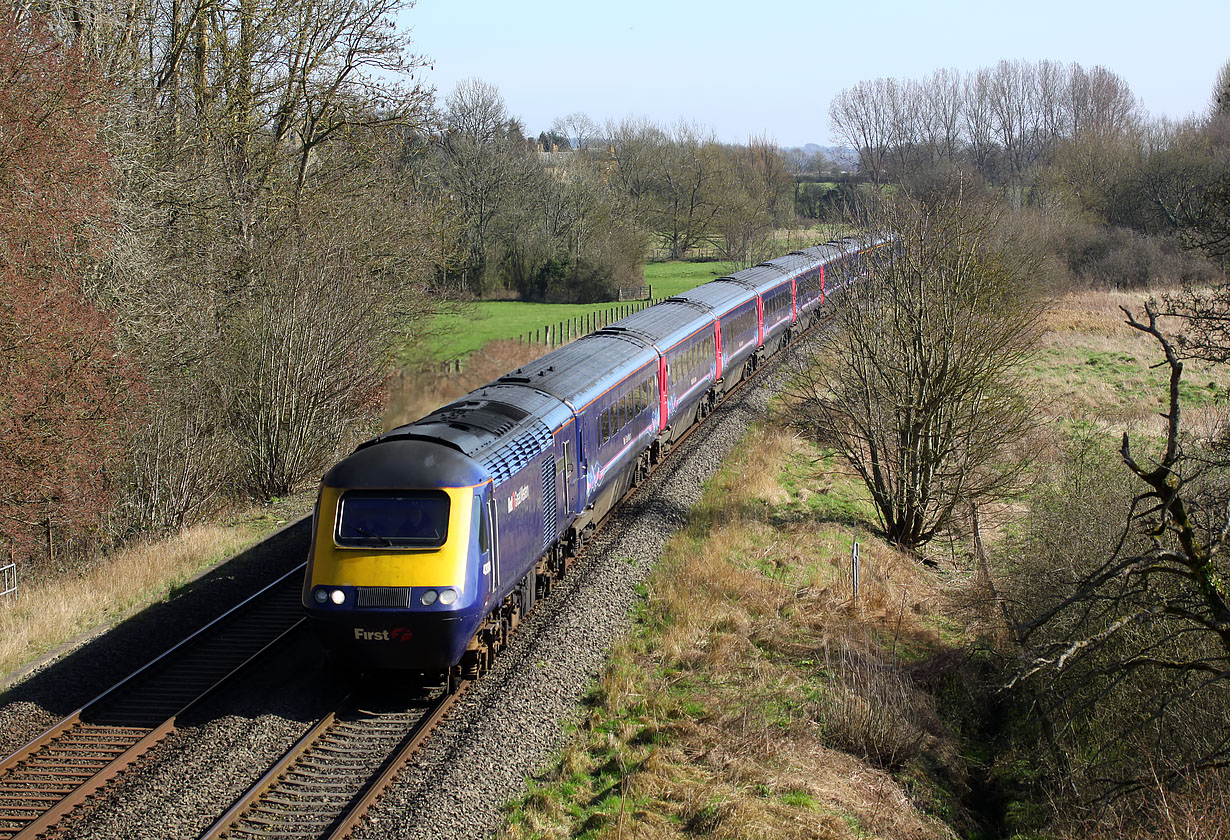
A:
(322, 785)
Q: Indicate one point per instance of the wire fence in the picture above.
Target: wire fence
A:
(8, 581)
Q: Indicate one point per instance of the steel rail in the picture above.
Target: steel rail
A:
(60, 769)
(311, 791)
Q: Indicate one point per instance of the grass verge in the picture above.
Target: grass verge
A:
(755, 698)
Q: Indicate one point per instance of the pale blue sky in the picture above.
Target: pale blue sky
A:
(771, 67)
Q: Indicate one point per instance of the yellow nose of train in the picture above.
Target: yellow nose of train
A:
(396, 571)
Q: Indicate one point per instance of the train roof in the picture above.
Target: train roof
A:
(500, 427)
(835, 249)
(759, 277)
(665, 324)
(580, 372)
(405, 463)
(794, 263)
(718, 297)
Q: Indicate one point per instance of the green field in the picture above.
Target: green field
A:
(457, 334)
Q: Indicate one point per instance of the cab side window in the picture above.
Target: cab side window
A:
(480, 525)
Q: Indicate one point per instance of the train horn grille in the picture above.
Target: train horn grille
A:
(384, 596)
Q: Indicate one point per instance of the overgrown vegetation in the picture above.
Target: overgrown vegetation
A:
(753, 700)
(756, 698)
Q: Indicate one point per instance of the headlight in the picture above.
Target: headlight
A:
(321, 595)
(429, 597)
(448, 596)
(338, 597)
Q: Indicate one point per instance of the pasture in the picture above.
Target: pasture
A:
(470, 326)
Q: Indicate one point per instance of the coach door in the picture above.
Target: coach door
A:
(565, 477)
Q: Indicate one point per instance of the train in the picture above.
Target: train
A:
(432, 540)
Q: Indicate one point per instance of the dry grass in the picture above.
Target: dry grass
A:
(416, 393)
(50, 612)
(1094, 368)
(1197, 810)
(1092, 312)
(758, 699)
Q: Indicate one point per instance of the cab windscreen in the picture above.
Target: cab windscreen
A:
(392, 519)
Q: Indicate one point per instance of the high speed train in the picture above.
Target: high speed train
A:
(431, 540)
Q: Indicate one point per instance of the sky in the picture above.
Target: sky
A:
(769, 68)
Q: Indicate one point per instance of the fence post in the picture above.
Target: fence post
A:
(8, 577)
(855, 570)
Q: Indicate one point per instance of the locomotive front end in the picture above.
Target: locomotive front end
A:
(398, 574)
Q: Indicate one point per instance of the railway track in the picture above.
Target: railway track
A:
(322, 786)
(57, 772)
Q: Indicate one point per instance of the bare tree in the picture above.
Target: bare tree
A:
(979, 124)
(1130, 641)
(482, 168)
(861, 116)
(1221, 91)
(751, 203)
(241, 125)
(673, 178)
(941, 114)
(580, 131)
(917, 388)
